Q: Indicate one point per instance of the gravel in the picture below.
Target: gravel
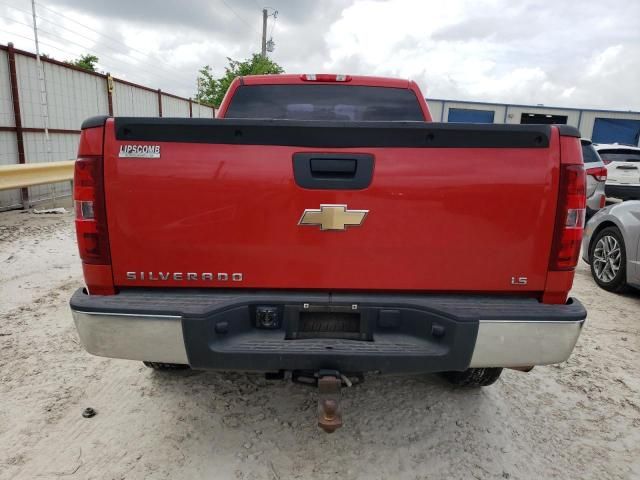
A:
(580, 419)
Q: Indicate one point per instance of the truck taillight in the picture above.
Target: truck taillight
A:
(569, 218)
(599, 173)
(325, 77)
(91, 218)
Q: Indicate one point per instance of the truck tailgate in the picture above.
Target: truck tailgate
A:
(450, 208)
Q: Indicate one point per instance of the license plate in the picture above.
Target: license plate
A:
(329, 325)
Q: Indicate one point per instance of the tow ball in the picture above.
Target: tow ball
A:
(329, 383)
(329, 413)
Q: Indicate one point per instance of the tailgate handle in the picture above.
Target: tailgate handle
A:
(333, 167)
(627, 167)
(333, 171)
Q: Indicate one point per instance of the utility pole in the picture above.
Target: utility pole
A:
(44, 100)
(43, 86)
(264, 32)
(199, 95)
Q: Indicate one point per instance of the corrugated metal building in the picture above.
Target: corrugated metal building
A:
(72, 95)
(602, 126)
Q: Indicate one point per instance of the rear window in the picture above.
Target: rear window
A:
(325, 102)
(620, 155)
(589, 154)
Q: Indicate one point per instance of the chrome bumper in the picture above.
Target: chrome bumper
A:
(508, 343)
(159, 338)
(154, 338)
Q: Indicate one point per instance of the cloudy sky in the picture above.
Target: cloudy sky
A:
(583, 53)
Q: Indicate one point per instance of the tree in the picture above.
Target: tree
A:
(86, 61)
(212, 90)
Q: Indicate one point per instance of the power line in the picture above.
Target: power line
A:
(59, 37)
(115, 50)
(31, 39)
(102, 54)
(16, 8)
(128, 54)
(49, 33)
(91, 29)
(144, 54)
(114, 39)
(241, 19)
(273, 25)
(158, 74)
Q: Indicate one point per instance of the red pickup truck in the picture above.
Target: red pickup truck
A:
(324, 225)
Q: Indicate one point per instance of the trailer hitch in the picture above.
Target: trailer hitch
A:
(329, 413)
(329, 383)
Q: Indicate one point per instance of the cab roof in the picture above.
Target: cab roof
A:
(292, 79)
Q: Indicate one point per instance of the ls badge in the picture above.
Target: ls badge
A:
(333, 217)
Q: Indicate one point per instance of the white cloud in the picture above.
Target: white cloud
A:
(574, 52)
(603, 61)
(522, 53)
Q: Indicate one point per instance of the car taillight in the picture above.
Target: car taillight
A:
(569, 218)
(325, 77)
(91, 218)
(599, 173)
(606, 162)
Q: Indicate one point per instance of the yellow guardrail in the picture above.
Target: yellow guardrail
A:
(29, 174)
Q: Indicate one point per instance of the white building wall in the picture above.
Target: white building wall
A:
(8, 145)
(202, 111)
(174, 107)
(8, 156)
(64, 146)
(28, 91)
(73, 96)
(6, 101)
(132, 101)
(514, 113)
(8, 148)
(435, 107)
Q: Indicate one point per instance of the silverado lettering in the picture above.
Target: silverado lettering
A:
(350, 214)
(180, 276)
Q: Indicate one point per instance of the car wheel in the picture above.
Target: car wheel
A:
(473, 377)
(609, 260)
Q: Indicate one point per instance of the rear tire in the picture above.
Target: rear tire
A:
(608, 260)
(166, 366)
(474, 377)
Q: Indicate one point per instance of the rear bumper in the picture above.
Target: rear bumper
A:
(595, 198)
(405, 333)
(623, 192)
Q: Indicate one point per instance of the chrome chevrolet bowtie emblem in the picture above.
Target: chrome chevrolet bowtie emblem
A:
(333, 217)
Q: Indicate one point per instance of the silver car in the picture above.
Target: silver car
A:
(596, 172)
(623, 170)
(611, 245)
